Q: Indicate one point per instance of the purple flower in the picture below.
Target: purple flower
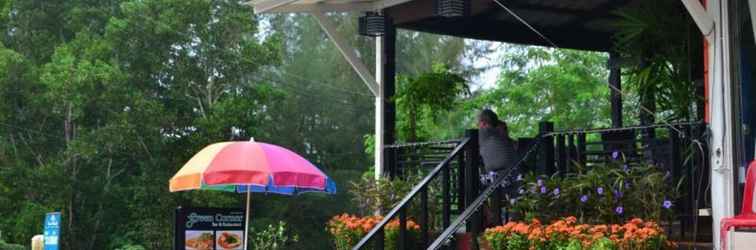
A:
(619, 210)
(600, 190)
(543, 190)
(617, 193)
(556, 191)
(615, 155)
(540, 182)
(584, 198)
(667, 175)
(625, 168)
(667, 204)
(519, 177)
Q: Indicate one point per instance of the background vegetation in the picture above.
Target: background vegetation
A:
(102, 101)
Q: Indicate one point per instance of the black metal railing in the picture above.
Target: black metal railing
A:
(443, 169)
(679, 148)
(468, 216)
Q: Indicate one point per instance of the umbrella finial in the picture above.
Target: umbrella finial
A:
(251, 139)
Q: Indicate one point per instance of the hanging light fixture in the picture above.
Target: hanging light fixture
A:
(452, 8)
(372, 24)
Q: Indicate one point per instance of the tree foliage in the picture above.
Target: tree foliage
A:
(565, 87)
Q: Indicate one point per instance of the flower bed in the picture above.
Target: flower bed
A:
(567, 234)
(599, 194)
(347, 230)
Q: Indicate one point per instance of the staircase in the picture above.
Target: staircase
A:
(450, 199)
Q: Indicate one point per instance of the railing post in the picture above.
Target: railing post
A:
(571, 151)
(446, 193)
(472, 183)
(461, 202)
(561, 154)
(581, 149)
(675, 170)
(424, 224)
(546, 154)
(389, 162)
(379, 239)
(402, 229)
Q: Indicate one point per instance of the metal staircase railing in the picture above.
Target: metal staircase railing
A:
(443, 169)
(501, 181)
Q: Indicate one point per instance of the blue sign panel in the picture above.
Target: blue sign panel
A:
(52, 230)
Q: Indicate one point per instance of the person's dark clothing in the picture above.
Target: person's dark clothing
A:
(496, 149)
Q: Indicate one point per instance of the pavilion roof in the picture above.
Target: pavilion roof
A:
(576, 24)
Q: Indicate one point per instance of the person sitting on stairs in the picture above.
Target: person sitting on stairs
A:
(498, 152)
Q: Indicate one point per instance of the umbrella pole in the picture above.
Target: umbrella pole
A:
(246, 222)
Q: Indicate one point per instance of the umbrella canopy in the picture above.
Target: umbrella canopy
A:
(246, 167)
(260, 167)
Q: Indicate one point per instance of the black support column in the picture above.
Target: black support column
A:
(389, 83)
(615, 86)
(389, 87)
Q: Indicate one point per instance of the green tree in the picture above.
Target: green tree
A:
(566, 87)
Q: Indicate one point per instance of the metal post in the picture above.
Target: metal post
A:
(581, 149)
(472, 184)
(615, 88)
(379, 239)
(424, 223)
(403, 229)
(546, 155)
(570, 151)
(561, 155)
(388, 83)
(445, 192)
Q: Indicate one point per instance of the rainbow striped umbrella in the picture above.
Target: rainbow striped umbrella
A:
(249, 166)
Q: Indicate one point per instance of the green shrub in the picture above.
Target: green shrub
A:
(606, 193)
(131, 247)
(273, 237)
(8, 246)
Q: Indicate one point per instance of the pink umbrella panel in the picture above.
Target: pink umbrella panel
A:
(237, 166)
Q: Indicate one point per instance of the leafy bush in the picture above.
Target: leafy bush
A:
(347, 230)
(8, 246)
(567, 234)
(131, 247)
(602, 194)
(272, 237)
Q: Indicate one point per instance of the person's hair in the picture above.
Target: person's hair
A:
(489, 117)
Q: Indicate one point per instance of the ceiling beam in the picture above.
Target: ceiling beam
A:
(348, 52)
(289, 6)
(325, 7)
(269, 5)
(701, 17)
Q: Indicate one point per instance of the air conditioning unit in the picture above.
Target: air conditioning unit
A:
(372, 24)
(452, 8)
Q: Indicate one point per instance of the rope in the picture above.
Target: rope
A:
(421, 144)
(603, 130)
(643, 108)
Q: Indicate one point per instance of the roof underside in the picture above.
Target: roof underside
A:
(575, 24)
